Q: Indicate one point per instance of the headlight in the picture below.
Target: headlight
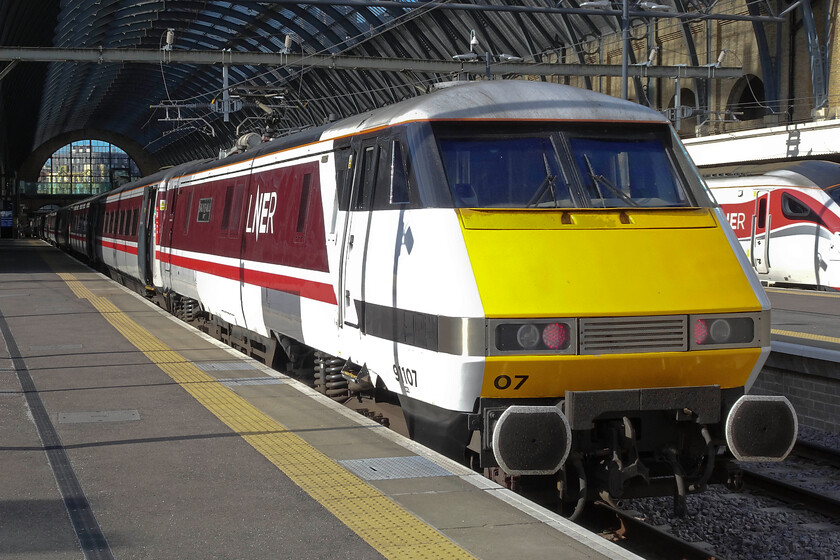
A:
(545, 336)
(726, 331)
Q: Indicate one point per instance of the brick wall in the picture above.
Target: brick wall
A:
(811, 385)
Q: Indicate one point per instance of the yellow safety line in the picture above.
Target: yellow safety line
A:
(794, 334)
(803, 293)
(386, 526)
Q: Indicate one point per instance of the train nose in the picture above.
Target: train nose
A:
(531, 440)
(761, 428)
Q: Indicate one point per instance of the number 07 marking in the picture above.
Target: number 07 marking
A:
(503, 382)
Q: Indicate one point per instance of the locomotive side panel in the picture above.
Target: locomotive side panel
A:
(421, 317)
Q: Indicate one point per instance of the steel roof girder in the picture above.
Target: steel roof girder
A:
(151, 56)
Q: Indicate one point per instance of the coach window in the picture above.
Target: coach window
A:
(793, 208)
(187, 210)
(232, 209)
(762, 213)
(134, 218)
(303, 206)
(121, 230)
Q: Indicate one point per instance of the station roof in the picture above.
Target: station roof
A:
(41, 101)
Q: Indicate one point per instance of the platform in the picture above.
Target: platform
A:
(128, 434)
(805, 323)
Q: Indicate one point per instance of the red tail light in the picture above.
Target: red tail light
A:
(555, 336)
(701, 331)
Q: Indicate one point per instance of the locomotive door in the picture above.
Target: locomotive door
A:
(760, 242)
(351, 281)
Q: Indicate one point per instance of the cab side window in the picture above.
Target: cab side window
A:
(393, 190)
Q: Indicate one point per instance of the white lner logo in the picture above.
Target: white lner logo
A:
(261, 219)
(736, 220)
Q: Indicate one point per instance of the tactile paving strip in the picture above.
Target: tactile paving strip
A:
(386, 526)
(821, 338)
(391, 468)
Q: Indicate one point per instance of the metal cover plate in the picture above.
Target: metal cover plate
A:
(230, 383)
(98, 416)
(224, 366)
(391, 468)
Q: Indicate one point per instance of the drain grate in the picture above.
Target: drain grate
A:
(391, 468)
(230, 383)
(224, 366)
(98, 416)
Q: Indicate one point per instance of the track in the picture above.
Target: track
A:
(794, 494)
(628, 531)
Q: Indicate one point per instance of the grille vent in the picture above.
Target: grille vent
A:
(627, 335)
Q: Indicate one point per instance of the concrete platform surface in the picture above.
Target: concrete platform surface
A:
(127, 434)
(806, 323)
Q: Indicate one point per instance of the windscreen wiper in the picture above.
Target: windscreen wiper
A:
(601, 180)
(547, 184)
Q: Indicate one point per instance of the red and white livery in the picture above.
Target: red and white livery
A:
(787, 219)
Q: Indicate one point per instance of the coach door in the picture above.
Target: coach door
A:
(351, 282)
(170, 208)
(145, 234)
(237, 207)
(760, 244)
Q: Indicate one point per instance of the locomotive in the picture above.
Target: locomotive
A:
(787, 219)
(510, 259)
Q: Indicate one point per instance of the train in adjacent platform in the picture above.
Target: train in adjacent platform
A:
(787, 219)
(508, 258)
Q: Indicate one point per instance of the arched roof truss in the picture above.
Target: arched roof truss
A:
(117, 97)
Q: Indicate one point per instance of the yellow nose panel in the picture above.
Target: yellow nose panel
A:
(551, 376)
(603, 263)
